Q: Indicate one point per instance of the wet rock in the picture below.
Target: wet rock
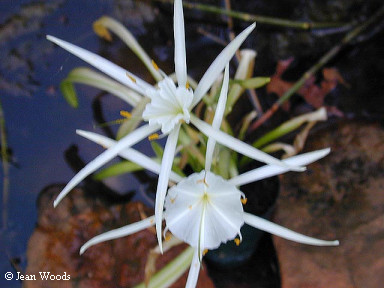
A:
(60, 232)
(340, 197)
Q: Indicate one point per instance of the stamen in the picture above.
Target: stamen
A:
(132, 78)
(120, 121)
(244, 201)
(237, 241)
(114, 122)
(202, 181)
(125, 114)
(205, 252)
(187, 85)
(168, 237)
(165, 232)
(154, 136)
(155, 65)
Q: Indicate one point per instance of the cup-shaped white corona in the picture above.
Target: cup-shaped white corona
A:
(169, 105)
(204, 210)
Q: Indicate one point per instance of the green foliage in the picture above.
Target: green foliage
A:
(68, 90)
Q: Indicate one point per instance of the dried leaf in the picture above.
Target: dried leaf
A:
(313, 94)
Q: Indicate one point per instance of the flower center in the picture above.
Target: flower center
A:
(169, 105)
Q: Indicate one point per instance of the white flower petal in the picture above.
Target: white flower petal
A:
(127, 141)
(283, 232)
(109, 68)
(217, 119)
(224, 217)
(204, 210)
(239, 146)
(120, 232)
(194, 271)
(219, 63)
(169, 104)
(180, 57)
(162, 184)
(129, 154)
(273, 170)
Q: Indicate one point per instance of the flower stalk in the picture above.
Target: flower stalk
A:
(261, 19)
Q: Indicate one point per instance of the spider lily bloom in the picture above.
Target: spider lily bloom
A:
(170, 106)
(205, 210)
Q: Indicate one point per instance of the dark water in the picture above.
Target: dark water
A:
(41, 126)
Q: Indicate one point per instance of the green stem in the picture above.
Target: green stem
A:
(315, 68)
(258, 18)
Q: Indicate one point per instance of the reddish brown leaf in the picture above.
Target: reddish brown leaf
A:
(313, 94)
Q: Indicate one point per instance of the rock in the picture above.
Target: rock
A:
(60, 232)
(340, 197)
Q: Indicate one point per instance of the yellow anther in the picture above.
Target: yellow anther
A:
(153, 137)
(155, 65)
(173, 200)
(190, 207)
(125, 114)
(205, 252)
(244, 201)
(132, 78)
(187, 85)
(168, 237)
(237, 241)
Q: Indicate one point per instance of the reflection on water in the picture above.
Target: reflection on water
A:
(40, 125)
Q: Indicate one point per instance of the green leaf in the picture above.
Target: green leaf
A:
(159, 151)
(95, 79)
(117, 169)
(289, 126)
(172, 271)
(252, 83)
(224, 163)
(68, 90)
(100, 27)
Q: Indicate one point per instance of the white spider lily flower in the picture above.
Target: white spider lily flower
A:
(205, 210)
(199, 215)
(170, 105)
